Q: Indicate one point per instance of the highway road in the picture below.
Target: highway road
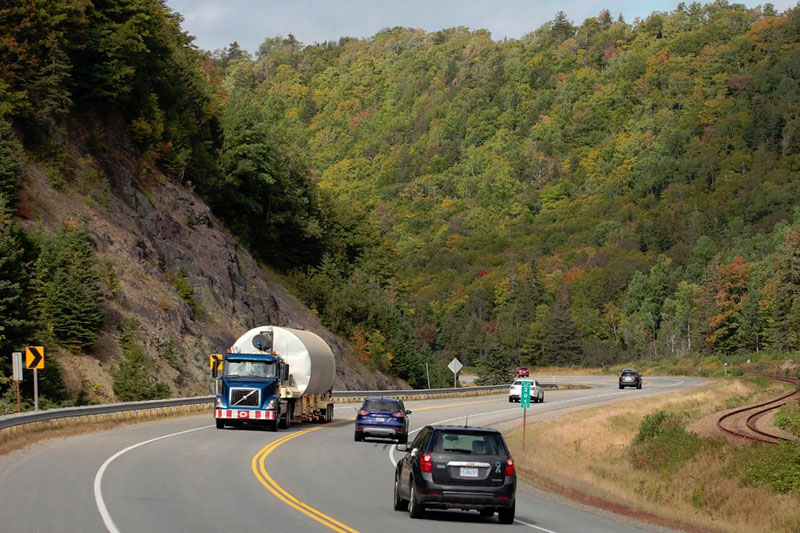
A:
(184, 475)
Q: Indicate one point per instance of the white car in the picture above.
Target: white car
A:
(515, 391)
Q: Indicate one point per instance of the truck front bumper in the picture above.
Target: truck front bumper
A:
(244, 414)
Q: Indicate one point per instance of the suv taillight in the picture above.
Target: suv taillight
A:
(509, 467)
(363, 412)
(398, 414)
(426, 462)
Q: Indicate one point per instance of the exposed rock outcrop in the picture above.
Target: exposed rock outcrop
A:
(151, 231)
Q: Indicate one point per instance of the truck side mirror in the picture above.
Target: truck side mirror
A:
(284, 372)
(215, 371)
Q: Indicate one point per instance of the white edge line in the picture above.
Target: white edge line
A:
(518, 521)
(98, 478)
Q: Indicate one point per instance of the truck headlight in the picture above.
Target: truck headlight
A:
(218, 402)
(272, 403)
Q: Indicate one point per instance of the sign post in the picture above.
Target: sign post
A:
(454, 366)
(215, 362)
(428, 372)
(16, 360)
(34, 360)
(524, 403)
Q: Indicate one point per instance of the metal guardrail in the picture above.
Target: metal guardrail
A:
(415, 392)
(69, 412)
(20, 419)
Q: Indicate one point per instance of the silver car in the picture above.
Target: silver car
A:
(515, 391)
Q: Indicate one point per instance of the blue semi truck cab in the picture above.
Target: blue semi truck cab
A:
(250, 391)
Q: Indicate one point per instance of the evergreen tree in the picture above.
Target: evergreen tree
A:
(133, 381)
(14, 314)
(495, 367)
(562, 29)
(786, 331)
(10, 166)
(67, 287)
(561, 343)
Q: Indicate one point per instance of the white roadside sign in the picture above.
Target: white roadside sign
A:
(454, 366)
(17, 365)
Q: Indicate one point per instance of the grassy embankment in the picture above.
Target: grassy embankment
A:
(658, 459)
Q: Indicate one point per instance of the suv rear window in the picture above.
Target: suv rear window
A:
(477, 443)
(628, 372)
(381, 405)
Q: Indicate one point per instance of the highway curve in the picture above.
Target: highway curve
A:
(184, 475)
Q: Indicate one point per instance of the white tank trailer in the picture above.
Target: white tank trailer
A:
(276, 376)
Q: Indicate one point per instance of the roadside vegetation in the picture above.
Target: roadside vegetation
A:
(660, 459)
(788, 418)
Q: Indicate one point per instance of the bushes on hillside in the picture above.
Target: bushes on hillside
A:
(663, 444)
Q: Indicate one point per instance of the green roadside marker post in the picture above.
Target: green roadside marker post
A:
(524, 403)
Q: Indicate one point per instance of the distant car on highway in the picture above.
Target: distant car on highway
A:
(456, 468)
(515, 391)
(383, 418)
(630, 378)
(522, 372)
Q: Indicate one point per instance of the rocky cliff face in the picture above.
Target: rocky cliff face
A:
(148, 232)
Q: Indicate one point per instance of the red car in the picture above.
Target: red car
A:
(522, 372)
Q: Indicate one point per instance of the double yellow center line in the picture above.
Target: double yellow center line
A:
(260, 471)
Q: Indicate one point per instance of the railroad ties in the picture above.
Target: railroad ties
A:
(741, 422)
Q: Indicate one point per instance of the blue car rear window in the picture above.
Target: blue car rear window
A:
(381, 405)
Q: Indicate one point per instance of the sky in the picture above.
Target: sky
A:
(218, 23)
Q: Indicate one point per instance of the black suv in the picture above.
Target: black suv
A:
(630, 378)
(456, 468)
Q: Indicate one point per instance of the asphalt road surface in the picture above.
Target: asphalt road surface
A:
(184, 475)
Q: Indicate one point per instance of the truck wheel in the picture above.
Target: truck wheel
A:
(285, 421)
(329, 413)
(220, 423)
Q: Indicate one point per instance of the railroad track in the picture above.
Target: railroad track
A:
(741, 422)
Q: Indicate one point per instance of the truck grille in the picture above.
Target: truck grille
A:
(245, 398)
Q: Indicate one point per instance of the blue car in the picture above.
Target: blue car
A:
(383, 418)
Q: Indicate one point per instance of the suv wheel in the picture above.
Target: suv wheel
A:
(359, 436)
(506, 516)
(399, 503)
(415, 510)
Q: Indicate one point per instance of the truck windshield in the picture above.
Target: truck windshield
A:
(258, 369)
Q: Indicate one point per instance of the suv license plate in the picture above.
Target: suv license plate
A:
(469, 472)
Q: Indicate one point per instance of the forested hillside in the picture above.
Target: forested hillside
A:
(589, 194)
(586, 194)
(119, 167)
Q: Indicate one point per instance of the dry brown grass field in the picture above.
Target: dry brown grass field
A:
(588, 456)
